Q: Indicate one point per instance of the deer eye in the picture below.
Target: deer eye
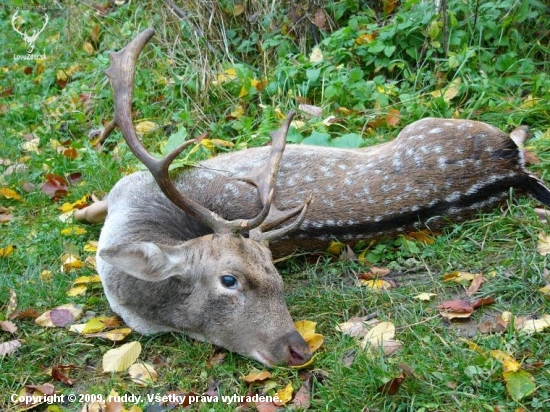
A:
(229, 281)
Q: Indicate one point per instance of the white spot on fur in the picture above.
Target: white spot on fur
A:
(436, 130)
(442, 163)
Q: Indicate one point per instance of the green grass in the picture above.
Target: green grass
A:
(504, 66)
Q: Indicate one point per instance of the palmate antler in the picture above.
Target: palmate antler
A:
(121, 74)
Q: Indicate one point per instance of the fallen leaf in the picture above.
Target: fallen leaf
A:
(9, 193)
(313, 111)
(143, 374)
(113, 335)
(302, 398)
(509, 364)
(357, 326)
(483, 302)
(374, 272)
(475, 285)
(320, 19)
(91, 246)
(381, 337)
(452, 309)
(519, 384)
(378, 284)
(217, 359)
(284, 395)
(257, 377)
(94, 325)
(392, 118)
(70, 262)
(306, 328)
(316, 55)
(12, 303)
(55, 186)
(64, 315)
(59, 374)
(120, 359)
(77, 290)
(146, 127)
(8, 326)
(392, 386)
(9, 347)
(543, 246)
(425, 296)
(6, 251)
(459, 277)
(536, 325)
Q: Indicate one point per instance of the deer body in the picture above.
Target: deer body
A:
(435, 171)
(189, 254)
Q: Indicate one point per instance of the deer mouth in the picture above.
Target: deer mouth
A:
(263, 359)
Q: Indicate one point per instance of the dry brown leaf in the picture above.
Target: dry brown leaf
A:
(475, 285)
(9, 347)
(357, 326)
(8, 326)
(392, 386)
(143, 374)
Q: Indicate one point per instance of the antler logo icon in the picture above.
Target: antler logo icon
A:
(29, 40)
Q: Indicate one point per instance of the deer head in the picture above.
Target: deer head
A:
(220, 287)
(29, 40)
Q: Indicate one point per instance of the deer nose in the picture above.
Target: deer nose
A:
(298, 350)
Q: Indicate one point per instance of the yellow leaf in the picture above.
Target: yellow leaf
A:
(46, 275)
(86, 279)
(113, 335)
(381, 337)
(91, 246)
(237, 113)
(425, 296)
(316, 55)
(284, 395)
(376, 284)
(143, 374)
(220, 142)
(9, 193)
(77, 290)
(257, 376)
(459, 277)
(66, 207)
(120, 359)
(146, 127)
(6, 251)
(509, 364)
(227, 75)
(335, 248)
(306, 328)
(530, 102)
(70, 262)
(94, 325)
(452, 90)
(365, 38)
(73, 230)
(544, 244)
(545, 290)
(243, 91)
(88, 47)
(473, 346)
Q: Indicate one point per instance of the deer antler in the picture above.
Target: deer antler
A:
(14, 17)
(121, 74)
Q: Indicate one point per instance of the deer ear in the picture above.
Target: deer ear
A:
(146, 261)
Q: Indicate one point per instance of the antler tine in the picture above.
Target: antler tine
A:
(13, 19)
(121, 74)
(275, 234)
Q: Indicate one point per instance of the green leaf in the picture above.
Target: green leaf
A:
(313, 74)
(318, 139)
(349, 141)
(175, 140)
(519, 384)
